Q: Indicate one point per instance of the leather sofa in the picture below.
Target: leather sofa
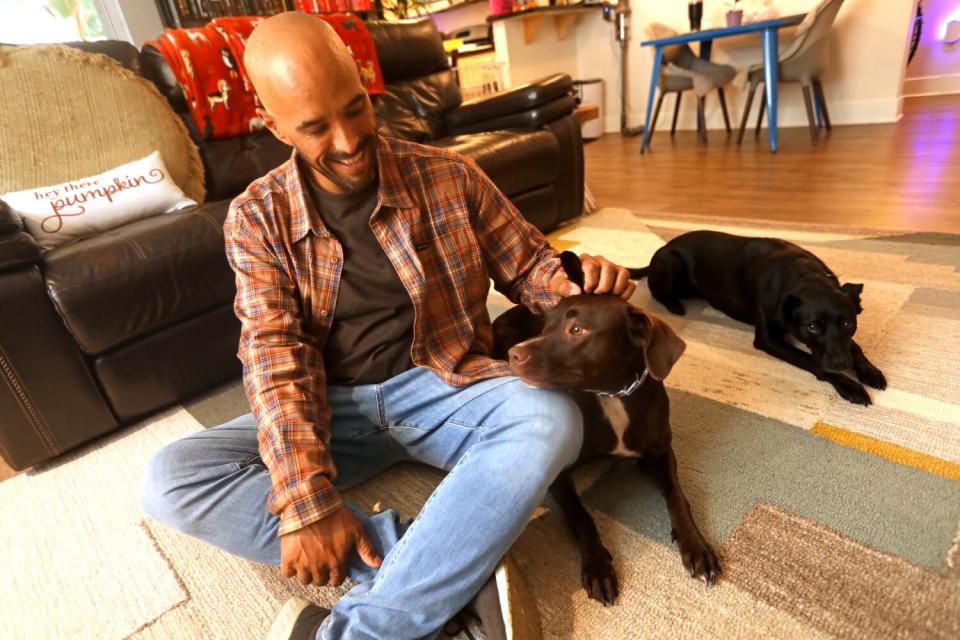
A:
(104, 331)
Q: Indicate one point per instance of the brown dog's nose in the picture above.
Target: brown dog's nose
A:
(518, 356)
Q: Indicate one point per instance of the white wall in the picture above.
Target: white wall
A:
(132, 20)
(546, 55)
(869, 46)
(460, 17)
(935, 68)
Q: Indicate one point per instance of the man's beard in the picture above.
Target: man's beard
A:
(324, 165)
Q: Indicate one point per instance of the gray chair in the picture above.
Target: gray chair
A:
(802, 62)
(684, 71)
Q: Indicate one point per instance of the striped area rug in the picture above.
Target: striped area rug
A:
(832, 520)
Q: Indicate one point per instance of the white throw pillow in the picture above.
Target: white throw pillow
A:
(60, 213)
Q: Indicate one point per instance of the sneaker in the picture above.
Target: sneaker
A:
(505, 606)
(298, 619)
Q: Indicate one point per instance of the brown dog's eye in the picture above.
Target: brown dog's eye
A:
(844, 324)
(576, 329)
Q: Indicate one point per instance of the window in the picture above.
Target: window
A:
(33, 21)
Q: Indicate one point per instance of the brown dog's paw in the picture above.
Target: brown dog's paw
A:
(851, 391)
(872, 377)
(699, 560)
(600, 578)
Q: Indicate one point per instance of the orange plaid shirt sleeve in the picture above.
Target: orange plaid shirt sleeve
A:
(447, 230)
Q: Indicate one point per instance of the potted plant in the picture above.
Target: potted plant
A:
(734, 13)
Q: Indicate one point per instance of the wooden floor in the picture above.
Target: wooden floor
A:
(903, 176)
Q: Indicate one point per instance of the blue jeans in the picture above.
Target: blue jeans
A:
(502, 442)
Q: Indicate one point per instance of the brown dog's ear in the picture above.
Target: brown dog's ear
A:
(662, 347)
(571, 265)
(853, 291)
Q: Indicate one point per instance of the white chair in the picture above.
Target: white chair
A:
(684, 71)
(802, 62)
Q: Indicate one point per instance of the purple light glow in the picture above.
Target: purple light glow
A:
(955, 16)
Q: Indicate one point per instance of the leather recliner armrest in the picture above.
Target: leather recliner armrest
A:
(529, 119)
(17, 247)
(503, 103)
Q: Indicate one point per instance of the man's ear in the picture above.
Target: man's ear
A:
(853, 291)
(271, 124)
(662, 347)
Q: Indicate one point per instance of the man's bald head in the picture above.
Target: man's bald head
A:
(292, 53)
(313, 99)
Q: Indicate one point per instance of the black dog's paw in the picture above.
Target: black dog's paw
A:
(699, 560)
(871, 376)
(600, 578)
(851, 391)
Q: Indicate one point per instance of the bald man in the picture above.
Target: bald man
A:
(362, 268)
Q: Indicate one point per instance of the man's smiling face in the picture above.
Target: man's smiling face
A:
(314, 101)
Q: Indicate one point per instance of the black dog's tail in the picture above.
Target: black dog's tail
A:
(639, 274)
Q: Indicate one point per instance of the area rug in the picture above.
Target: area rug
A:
(832, 520)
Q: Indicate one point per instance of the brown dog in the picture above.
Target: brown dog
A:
(613, 358)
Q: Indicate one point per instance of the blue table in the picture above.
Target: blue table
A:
(768, 28)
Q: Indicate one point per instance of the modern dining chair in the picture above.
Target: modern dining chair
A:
(684, 71)
(803, 62)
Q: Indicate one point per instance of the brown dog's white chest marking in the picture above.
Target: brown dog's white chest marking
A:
(617, 416)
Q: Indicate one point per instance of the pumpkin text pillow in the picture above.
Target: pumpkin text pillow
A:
(61, 213)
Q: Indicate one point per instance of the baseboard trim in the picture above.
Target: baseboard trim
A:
(791, 113)
(932, 85)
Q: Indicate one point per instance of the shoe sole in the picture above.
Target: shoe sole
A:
(520, 615)
(286, 619)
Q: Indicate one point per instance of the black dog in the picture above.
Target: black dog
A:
(783, 290)
(612, 357)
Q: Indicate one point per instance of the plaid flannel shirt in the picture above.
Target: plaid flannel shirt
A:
(447, 230)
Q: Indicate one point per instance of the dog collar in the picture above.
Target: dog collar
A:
(638, 381)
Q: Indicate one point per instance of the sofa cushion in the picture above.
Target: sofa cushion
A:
(515, 160)
(171, 364)
(415, 109)
(233, 163)
(120, 50)
(407, 49)
(134, 280)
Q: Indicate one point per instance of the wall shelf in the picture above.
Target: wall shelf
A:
(564, 17)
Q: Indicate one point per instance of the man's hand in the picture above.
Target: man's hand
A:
(317, 554)
(599, 276)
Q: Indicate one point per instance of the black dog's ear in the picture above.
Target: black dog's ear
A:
(571, 265)
(662, 347)
(788, 305)
(854, 291)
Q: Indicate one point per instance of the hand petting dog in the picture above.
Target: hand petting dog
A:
(599, 275)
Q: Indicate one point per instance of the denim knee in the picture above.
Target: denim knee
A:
(157, 498)
(554, 421)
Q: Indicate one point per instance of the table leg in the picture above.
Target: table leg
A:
(706, 47)
(654, 76)
(770, 83)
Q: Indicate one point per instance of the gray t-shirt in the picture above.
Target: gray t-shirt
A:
(372, 329)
